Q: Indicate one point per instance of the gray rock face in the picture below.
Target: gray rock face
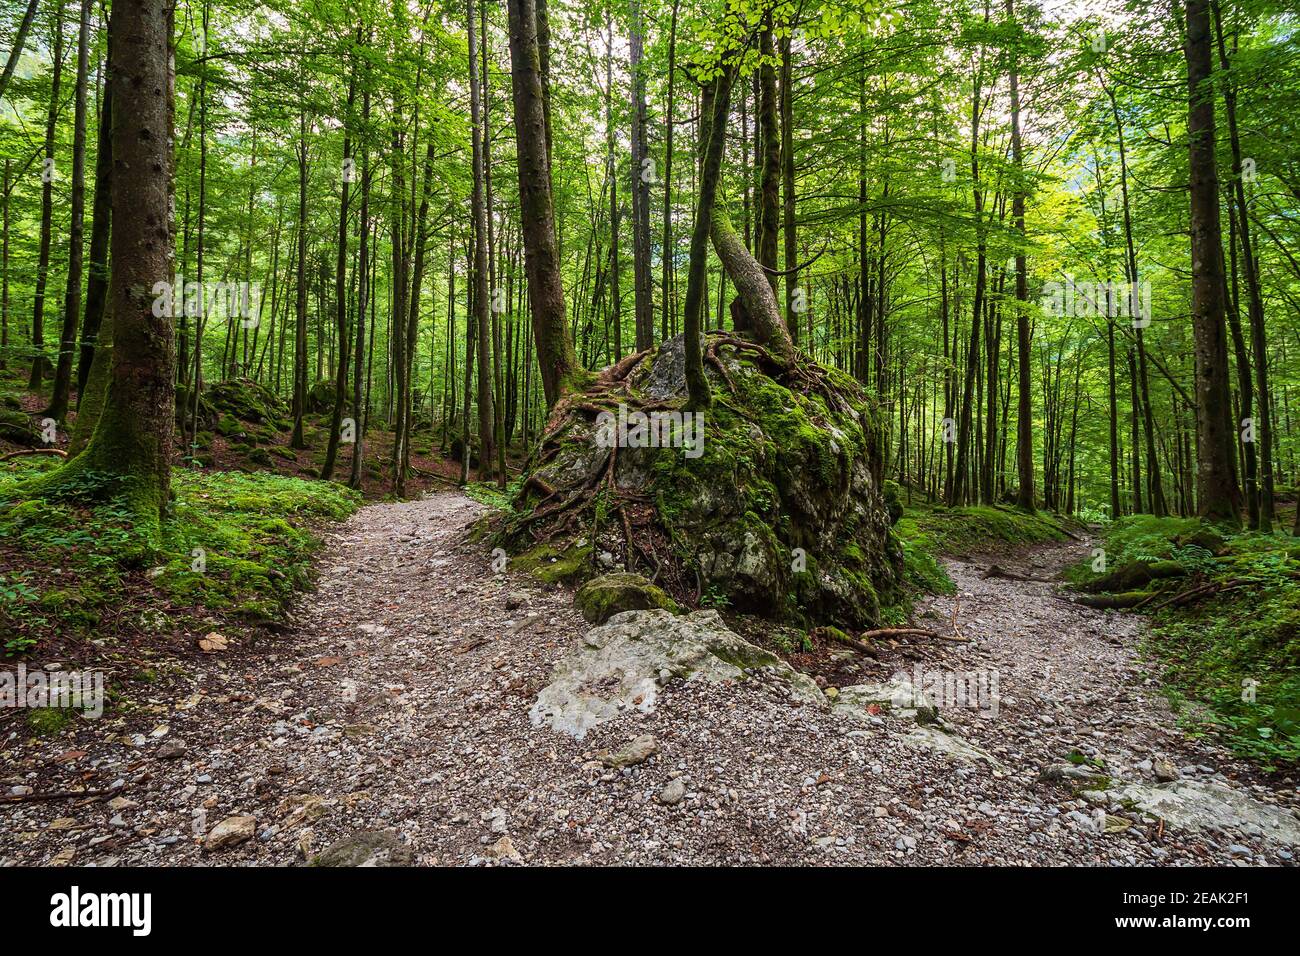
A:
(622, 665)
(1210, 805)
(959, 749)
(366, 848)
(900, 696)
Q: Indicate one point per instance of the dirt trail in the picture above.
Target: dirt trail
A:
(399, 702)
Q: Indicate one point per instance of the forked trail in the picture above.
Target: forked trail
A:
(399, 703)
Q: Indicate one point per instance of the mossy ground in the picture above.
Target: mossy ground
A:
(1231, 658)
(235, 544)
(927, 531)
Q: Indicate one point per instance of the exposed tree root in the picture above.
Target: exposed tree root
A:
(840, 637)
(888, 632)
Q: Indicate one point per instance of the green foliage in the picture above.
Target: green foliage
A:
(48, 721)
(76, 561)
(922, 570)
(1234, 655)
(487, 493)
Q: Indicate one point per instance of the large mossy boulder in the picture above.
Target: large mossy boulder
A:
(769, 501)
(248, 401)
(608, 594)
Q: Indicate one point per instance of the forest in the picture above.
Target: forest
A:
(890, 332)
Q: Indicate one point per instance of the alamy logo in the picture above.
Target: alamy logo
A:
(75, 909)
(1104, 299)
(944, 689)
(636, 429)
(212, 300)
(83, 690)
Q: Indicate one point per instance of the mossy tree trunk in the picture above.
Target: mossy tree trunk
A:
(90, 399)
(129, 453)
(714, 106)
(760, 315)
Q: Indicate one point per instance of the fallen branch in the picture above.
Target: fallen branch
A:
(34, 451)
(996, 571)
(1114, 602)
(1197, 593)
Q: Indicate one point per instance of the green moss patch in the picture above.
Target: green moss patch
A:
(602, 597)
(940, 530)
(234, 543)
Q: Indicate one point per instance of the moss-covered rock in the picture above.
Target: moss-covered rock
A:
(769, 501)
(609, 594)
(321, 397)
(248, 401)
(19, 428)
(551, 565)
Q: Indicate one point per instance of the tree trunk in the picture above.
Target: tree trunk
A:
(972, 354)
(298, 439)
(59, 394)
(129, 454)
(486, 451)
(770, 192)
(355, 476)
(555, 358)
(39, 359)
(712, 139)
(1217, 491)
(497, 304)
(100, 228)
(1024, 405)
(1258, 339)
(611, 159)
(341, 287)
(640, 184)
(787, 192)
(16, 53)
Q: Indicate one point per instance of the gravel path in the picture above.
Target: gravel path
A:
(399, 702)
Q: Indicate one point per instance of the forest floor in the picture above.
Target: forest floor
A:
(398, 701)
